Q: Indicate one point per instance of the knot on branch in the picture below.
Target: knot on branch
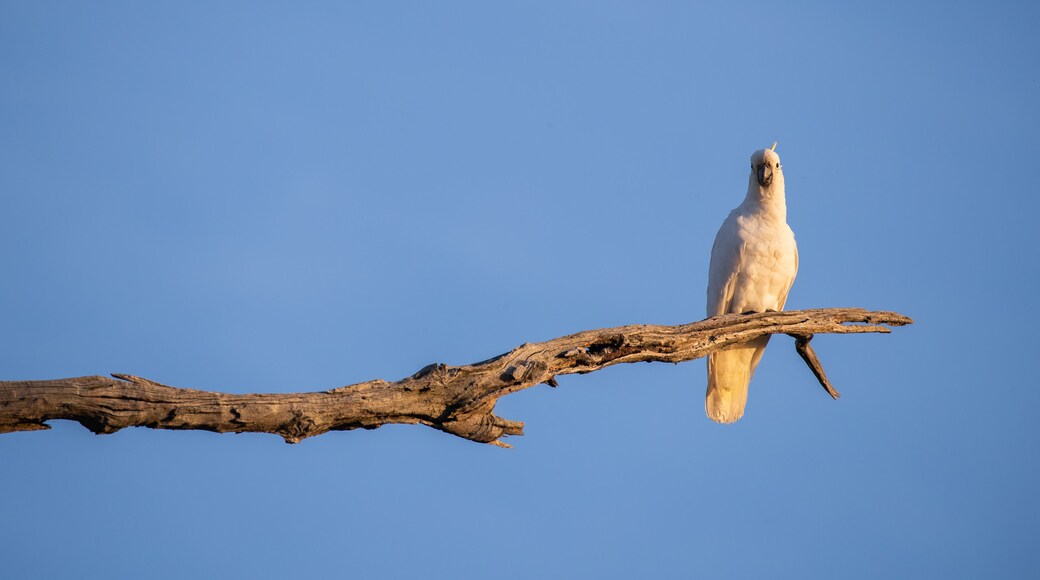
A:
(298, 428)
(603, 350)
(432, 375)
(481, 425)
(524, 371)
(429, 370)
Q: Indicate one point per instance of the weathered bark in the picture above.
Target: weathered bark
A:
(458, 400)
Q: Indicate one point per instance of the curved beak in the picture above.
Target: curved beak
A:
(765, 175)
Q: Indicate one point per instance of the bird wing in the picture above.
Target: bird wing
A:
(727, 253)
(730, 370)
(783, 296)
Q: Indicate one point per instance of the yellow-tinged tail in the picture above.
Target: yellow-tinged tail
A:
(729, 372)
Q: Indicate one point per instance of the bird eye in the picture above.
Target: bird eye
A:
(778, 166)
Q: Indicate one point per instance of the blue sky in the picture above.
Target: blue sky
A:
(256, 197)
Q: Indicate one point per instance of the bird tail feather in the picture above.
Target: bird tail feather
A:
(729, 372)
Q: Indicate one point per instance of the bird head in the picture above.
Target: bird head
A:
(766, 171)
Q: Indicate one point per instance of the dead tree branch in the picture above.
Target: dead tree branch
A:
(458, 400)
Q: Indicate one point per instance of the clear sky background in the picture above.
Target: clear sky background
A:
(258, 197)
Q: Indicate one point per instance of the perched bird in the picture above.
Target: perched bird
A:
(753, 264)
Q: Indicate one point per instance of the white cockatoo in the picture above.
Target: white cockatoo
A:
(753, 264)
